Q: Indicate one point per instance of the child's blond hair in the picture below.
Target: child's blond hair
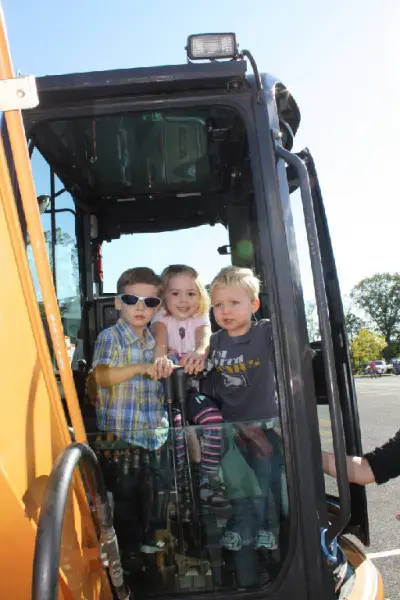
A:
(173, 271)
(239, 276)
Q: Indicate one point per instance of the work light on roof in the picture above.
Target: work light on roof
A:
(212, 46)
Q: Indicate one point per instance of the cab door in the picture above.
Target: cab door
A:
(358, 524)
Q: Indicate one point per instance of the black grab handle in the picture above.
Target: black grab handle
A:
(168, 385)
(180, 383)
(175, 386)
(338, 524)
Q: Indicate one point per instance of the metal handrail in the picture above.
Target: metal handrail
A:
(46, 563)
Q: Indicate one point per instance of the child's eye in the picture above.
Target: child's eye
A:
(174, 293)
(191, 294)
(217, 305)
(235, 302)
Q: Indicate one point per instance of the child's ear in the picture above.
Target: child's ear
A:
(256, 305)
(117, 303)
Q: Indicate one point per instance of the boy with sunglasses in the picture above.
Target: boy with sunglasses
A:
(129, 399)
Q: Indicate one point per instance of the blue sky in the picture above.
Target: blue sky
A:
(340, 59)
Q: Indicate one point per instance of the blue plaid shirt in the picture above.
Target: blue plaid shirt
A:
(133, 410)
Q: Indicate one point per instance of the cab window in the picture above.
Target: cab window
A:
(61, 248)
(196, 247)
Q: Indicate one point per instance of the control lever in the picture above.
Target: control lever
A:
(81, 365)
(168, 385)
(181, 379)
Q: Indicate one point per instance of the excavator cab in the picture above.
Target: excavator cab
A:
(150, 166)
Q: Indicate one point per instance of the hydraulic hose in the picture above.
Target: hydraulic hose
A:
(48, 539)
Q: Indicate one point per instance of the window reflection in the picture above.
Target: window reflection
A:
(65, 264)
(174, 539)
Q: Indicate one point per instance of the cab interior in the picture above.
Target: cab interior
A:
(133, 174)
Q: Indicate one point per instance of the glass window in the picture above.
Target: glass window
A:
(66, 252)
(314, 335)
(325, 431)
(199, 538)
(117, 156)
(196, 247)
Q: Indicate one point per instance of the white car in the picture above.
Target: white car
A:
(381, 367)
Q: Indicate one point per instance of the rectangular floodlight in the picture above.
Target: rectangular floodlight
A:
(205, 46)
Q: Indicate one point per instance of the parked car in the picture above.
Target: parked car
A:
(395, 362)
(381, 367)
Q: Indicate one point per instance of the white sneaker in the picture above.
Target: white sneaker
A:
(265, 539)
(233, 541)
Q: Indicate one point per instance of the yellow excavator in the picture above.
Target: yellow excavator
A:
(152, 152)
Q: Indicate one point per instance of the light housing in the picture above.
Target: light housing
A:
(203, 46)
(43, 202)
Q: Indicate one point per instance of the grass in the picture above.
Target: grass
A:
(362, 376)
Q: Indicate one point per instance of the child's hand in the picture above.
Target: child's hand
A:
(160, 368)
(193, 363)
(91, 389)
(165, 367)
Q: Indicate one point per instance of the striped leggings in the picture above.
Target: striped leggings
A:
(210, 420)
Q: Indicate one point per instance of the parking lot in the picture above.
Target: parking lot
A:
(379, 408)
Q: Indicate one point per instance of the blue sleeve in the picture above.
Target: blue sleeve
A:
(106, 350)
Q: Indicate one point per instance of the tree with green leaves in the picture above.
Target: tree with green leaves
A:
(64, 239)
(354, 324)
(379, 297)
(366, 346)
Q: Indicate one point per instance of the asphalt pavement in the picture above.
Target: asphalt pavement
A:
(379, 408)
